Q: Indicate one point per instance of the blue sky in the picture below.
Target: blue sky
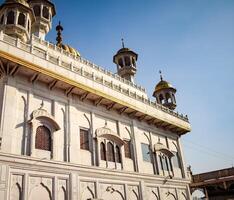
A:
(192, 42)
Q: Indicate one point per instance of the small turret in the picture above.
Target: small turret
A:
(165, 93)
(16, 18)
(125, 59)
(44, 11)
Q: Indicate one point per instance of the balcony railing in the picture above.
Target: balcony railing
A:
(35, 50)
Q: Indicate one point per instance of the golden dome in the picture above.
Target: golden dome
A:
(70, 50)
(163, 85)
(74, 51)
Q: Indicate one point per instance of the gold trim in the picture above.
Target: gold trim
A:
(74, 83)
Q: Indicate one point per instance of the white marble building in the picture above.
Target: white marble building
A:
(70, 130)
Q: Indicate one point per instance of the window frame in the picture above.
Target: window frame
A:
(10, 18)
(41, 145)
(85, 141)
(128, 149)
(149, 159)
(21, 19)
(110, 152)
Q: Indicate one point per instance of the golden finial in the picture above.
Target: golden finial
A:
(59, 30)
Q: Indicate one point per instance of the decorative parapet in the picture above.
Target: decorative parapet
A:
(85, 68)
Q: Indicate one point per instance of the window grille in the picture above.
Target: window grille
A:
(43, 138)
(84, 139)
(127, 148)
(110, 152)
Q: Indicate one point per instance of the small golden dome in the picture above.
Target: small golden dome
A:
(74, 51)
(69, 49)
(163, 85)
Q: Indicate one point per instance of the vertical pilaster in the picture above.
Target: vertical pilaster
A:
(181, 157)
(93, 145)
(55, 188)
(25, 187)
(69, 130)
(142, 190)
(73, 186)
(134, 130)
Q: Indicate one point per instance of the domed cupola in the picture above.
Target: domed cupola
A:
(60, 44)
(44, 11)
(16, 18)
(165, 94)
(125, 59)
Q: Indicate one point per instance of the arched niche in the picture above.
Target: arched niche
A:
(16, 193)
(41, 118)
(40, 192)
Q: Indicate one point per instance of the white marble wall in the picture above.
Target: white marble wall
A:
(22, 98)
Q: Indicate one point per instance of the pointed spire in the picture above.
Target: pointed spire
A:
(59, 30)
(122, 43)
(161, 77)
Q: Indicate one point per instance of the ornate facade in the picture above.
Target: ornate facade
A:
(71, 130)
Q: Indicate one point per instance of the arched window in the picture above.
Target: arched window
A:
(168, 97)
(46, 12)
(10, 17)
(117, 154)
(43, 138)
(165, 163)
(37, 11)
(2, 19)
(103, 151)
(21, 19)
(127, 61)
(110, 152)
(174, 97)
(120, 61)
(161, 100)
(133, 61)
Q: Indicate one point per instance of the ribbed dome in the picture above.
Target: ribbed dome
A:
(163, 85)
(70, 50)
(123, 50)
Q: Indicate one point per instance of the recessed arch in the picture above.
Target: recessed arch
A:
(10, 17)
(40, 192)
(21, 19)
(110, 152)
(16, 192)
(45, 12)
(37, 10)
(103, 151)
